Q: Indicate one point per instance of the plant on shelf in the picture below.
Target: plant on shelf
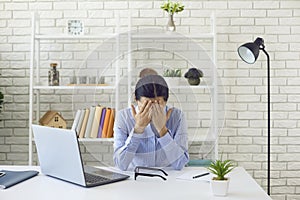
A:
(193, 75)
(172, 76)
(171, 8)
(219, 183)
(172, 73)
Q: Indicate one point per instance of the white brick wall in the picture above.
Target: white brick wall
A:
(244, 134)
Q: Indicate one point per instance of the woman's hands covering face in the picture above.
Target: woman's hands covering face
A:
(154, 112)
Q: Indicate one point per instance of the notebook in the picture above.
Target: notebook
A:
(59, 156)
(9, 178)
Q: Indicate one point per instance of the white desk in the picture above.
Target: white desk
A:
(242, 186)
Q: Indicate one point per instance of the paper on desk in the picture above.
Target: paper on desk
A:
(190, 174)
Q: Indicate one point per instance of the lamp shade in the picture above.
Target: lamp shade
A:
(250, 51)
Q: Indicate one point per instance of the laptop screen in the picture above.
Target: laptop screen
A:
(59, 156)
(58, 153)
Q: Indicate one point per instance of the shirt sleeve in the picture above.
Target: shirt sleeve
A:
(125, 144)
(174, 144)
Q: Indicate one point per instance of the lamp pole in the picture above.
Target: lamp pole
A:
(269, 116)
(249, 53)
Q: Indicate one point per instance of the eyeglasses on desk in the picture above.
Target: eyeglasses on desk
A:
(140, 171)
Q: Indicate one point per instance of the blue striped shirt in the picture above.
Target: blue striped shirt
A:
(148, 149)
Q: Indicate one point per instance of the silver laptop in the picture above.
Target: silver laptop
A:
(59, 156)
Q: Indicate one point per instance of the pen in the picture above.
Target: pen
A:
(200, 175)
(2, 174)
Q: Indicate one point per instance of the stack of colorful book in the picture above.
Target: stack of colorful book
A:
(94, 122)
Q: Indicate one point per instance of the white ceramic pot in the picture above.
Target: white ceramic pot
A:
(175, 81)
(219, 188)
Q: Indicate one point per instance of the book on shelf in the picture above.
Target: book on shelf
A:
(76, 120)
(84, 122)
(90, 122)
(106, 122)
(96, 122)
(110, 130)
(101, 123)
(79, 125)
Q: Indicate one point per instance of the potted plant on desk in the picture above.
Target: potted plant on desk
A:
(219, 183)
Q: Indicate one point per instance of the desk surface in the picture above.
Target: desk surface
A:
(242, 186)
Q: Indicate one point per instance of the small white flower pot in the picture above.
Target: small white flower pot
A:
(176, 81)
(219, 188)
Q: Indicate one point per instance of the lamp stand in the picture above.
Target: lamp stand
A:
(269, 116)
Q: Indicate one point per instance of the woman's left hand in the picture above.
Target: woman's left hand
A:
(159, 118)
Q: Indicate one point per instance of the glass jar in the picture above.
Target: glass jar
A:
(53, 75)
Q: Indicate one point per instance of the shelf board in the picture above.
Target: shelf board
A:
(187, 87)
(95, 139)
(112, 140)
(190, 86)
(171, 35)
(74, 87)
(196, 139)
(166, 35)
(74, 37)
(92, 139)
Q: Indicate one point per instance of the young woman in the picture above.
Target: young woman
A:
(150, 134)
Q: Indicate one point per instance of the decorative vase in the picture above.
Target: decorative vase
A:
(53, 75)
(219, 187)
(171, 25)
(194, 81)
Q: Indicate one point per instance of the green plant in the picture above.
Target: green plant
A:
(172, 7)
(221, 168)
(172, 73)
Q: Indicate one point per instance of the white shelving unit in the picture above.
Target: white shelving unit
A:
(35, 87)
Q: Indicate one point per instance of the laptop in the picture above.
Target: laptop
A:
(59, 156)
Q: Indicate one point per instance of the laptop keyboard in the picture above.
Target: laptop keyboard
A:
(90, 178)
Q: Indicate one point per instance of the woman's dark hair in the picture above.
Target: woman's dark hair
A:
(151, 86)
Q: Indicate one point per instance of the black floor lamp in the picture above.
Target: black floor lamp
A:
(249, 53)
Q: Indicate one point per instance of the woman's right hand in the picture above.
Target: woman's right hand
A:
(143, 117)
